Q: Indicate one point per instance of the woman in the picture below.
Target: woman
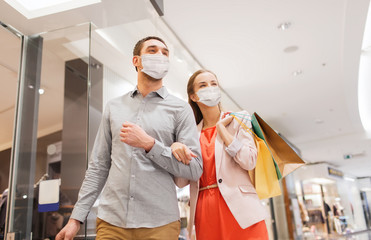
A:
(224, 204)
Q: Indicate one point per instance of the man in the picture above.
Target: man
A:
(132, 157)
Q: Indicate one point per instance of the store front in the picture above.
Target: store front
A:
(329, 202)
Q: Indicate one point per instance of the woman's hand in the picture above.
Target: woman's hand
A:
(182, 153)
(225, 121)
(222, 131)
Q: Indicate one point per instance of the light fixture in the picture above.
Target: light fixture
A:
(39, 8)
(284, 26)
(297, 73)
(318, 121)
(291, 49)
(321, 181)
(349, 179)
(41, 91)
(364, 75)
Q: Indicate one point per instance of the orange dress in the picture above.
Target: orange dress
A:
(213, 219)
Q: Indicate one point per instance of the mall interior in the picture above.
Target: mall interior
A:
(303, 66)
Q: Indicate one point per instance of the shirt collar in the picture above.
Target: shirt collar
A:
(162, 92)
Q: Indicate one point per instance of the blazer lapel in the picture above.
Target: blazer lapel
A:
(218, 151)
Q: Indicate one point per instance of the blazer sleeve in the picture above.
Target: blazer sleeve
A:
(243, 149)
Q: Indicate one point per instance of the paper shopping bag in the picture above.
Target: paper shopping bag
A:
(284, 156)
(263, 176)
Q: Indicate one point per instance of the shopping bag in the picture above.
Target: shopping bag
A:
(284, 156)
(263, 176)
(258, 131)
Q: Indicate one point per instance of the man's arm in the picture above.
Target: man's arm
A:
(95, 178)
(186, 133)
(96, 175)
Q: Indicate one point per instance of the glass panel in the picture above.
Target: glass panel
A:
(55, 90)
(10, 57)
(330, 205)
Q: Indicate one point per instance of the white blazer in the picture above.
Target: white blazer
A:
(234, 183)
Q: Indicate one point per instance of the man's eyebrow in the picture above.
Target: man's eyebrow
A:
(155, 46)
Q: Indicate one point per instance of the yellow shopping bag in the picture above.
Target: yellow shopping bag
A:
(263, 176)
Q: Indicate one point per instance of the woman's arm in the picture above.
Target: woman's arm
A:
(241, 147)
(222, 131)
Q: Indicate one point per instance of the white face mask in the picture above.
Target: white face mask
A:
(155, 65)
(210, 96)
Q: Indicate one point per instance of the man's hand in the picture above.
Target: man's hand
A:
(135, 136)
(69, 231)
(182, 153)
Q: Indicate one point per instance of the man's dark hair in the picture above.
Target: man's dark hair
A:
(138, 47)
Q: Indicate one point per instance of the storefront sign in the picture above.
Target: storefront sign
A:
(335, 172)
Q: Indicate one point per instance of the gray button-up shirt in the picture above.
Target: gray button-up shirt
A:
(139, 189)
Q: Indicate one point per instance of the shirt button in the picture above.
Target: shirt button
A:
(220, 180)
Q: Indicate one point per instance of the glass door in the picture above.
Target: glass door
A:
(10, 56)
(51, 132)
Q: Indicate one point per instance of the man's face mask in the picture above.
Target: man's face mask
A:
(210, 96)
(155, 65)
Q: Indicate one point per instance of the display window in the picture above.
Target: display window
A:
(330, 207)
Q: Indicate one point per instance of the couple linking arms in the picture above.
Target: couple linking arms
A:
(147, 140)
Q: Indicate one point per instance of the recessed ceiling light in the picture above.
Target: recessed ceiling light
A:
(41, 91)
(291, 49)
(297, 73)
(284, 26)
(39, 8)
(318, 121)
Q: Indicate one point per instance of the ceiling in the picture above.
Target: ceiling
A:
(317, 110)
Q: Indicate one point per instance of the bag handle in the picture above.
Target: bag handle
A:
(244, 126)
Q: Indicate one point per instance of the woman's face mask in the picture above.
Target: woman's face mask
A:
(155, 65)
(210, 96)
